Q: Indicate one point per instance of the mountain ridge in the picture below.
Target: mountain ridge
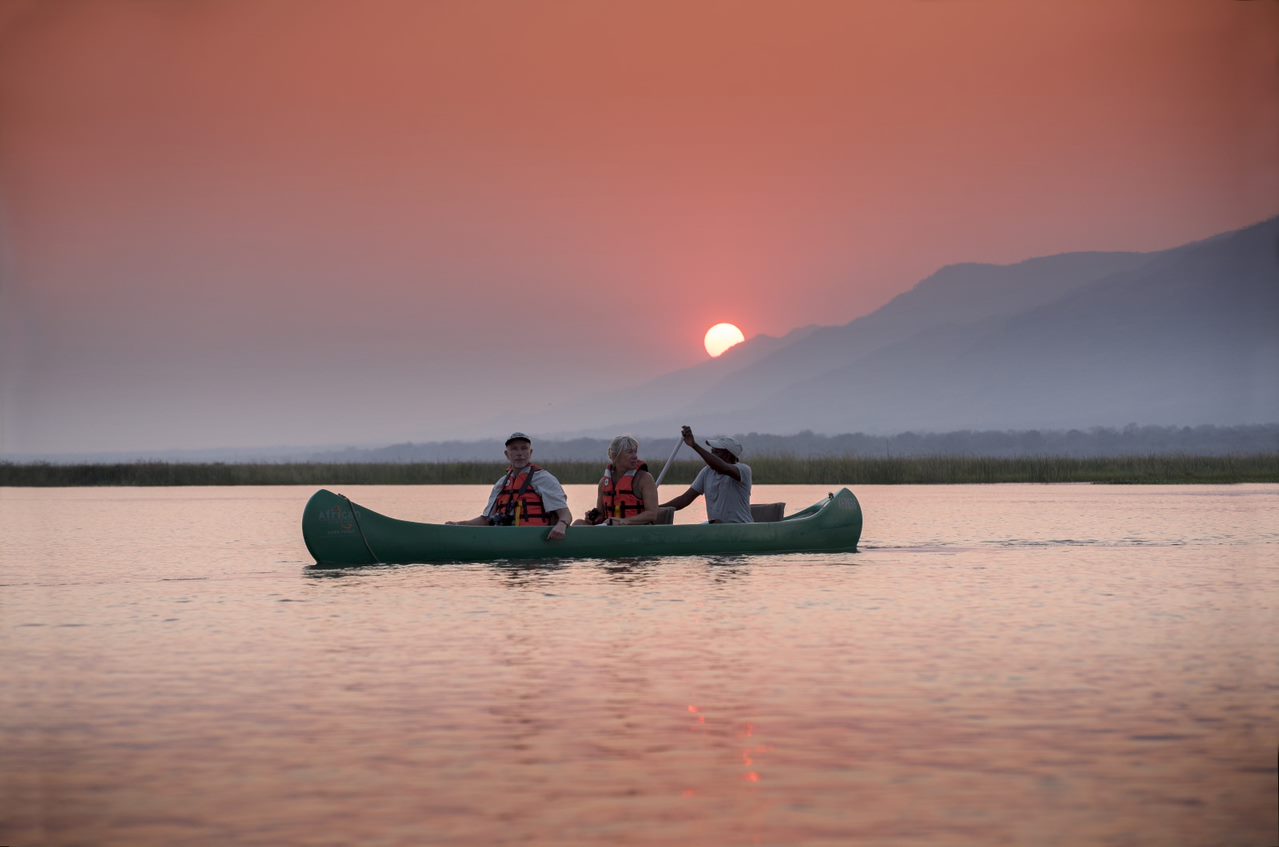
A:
(1177, 336)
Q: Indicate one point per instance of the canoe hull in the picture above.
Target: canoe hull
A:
(339, 532)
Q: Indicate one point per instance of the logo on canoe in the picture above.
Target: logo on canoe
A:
(341, 519)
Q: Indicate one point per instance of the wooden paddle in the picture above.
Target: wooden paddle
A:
(667, 466)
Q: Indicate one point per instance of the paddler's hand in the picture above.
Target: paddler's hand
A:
(558, 531)
(686, 433)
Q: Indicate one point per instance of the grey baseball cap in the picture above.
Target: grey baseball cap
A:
(518, 436)
(728, 443)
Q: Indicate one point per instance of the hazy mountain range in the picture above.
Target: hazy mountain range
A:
(1186, 336)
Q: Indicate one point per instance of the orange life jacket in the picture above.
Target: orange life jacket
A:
(619, 496)
(519, 504)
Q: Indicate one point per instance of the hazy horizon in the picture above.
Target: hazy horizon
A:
(235, 225)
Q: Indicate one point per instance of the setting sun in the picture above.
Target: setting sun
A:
(722, 336)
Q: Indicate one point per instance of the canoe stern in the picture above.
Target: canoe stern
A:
(847, 511)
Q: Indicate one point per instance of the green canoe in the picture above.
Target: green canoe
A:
(339, 532)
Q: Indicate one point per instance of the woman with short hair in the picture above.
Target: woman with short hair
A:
(627, 493)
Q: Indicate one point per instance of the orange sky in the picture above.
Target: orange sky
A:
(331, 214)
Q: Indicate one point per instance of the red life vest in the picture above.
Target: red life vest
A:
(519, 504)
(620, 498)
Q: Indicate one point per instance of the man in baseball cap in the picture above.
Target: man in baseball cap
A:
(526, 495)
(725, 481)
(726, 442)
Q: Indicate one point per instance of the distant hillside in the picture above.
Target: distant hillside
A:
(1094, 443)
(1179, 341)
(1182, 336)
(1100, 442)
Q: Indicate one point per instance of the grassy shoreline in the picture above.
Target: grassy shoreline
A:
(938, 470)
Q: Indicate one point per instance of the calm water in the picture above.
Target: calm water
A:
(999, 665)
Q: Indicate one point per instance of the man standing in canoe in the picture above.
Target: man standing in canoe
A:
(725, 481)
(526, 495)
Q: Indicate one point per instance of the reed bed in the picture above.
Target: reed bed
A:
(936, 470)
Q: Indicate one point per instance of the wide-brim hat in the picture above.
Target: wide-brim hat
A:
(518, 436)
(728, 443)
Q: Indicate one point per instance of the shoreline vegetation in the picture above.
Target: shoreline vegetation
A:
(774, 470)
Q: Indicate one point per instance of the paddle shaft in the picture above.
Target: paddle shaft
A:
(661, 476)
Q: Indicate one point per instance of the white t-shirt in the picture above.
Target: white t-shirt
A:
(727, 500)
(546, 485)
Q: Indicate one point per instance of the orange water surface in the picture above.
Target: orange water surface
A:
(999, 665)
